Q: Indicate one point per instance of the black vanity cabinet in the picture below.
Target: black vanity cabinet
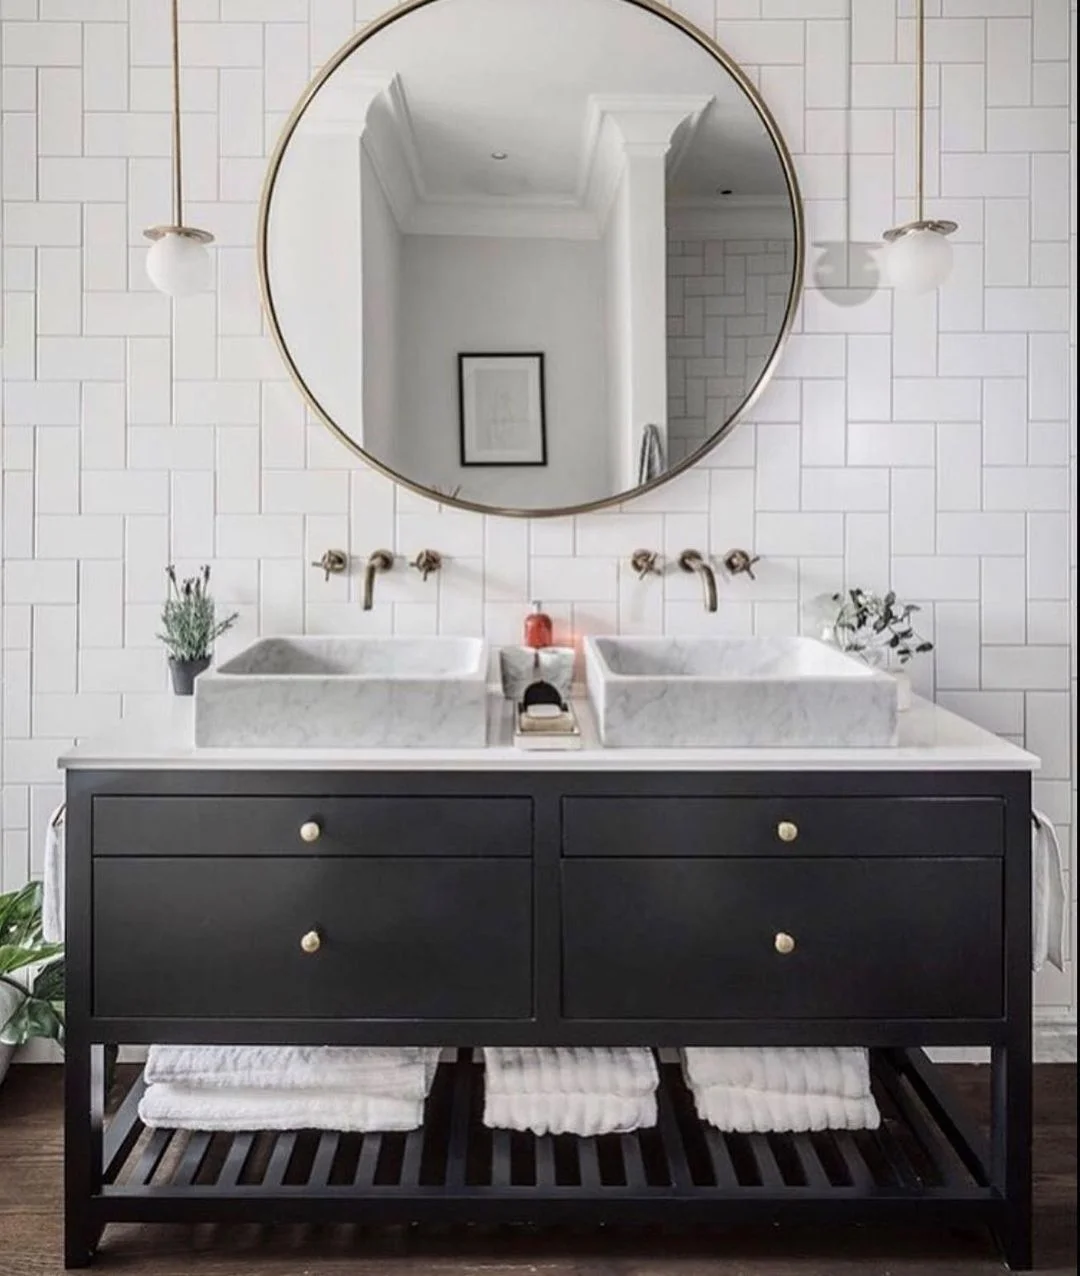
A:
(554, 906)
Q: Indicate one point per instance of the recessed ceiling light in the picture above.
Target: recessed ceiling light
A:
(499, 155)
(725, 190)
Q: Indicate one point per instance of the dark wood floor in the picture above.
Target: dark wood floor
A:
(30, 1219)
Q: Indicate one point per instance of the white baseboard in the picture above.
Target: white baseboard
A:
(1054, 1043)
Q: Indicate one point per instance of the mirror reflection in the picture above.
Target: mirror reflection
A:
(530, 254)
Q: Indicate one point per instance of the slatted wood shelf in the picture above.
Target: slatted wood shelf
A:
(923, 1162)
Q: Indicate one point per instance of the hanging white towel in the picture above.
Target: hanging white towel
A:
(747, 1111)
(52, 904)
(240, 1108)
(1048, 898)
(840, 1071)
(405, 1073)
(621, 1071)
(585, 1115)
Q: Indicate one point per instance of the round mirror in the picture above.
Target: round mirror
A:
(531, 256)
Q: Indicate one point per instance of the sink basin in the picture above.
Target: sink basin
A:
(736, 693)
(348, 693)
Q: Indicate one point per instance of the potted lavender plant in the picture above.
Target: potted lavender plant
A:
(190, 627)
(880, 631)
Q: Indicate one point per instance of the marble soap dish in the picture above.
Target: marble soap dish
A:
(546, 726)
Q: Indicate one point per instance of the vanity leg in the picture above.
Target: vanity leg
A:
(84, 1095)
(1011, 1118)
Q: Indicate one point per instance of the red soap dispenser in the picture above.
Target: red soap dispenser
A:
(539, 631)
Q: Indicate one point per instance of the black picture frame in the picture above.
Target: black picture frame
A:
(532, 452)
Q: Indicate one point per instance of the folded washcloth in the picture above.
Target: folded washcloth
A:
(405, 1073)
(568, 1113)
(763, 1111)
(830, 1070)
(52, 895)
(620, 1071)
(1048, 906)
(183, 1108)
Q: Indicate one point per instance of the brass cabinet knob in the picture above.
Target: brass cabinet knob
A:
(311, 831)
(784, 943)
(786, 831)
(311, 942)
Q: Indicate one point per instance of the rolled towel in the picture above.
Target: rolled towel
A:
(748, 1111)
(183, 1108)
(567, 1113)
(831, 1070)
(627, 1072)
(404, 1073)
(52, 895)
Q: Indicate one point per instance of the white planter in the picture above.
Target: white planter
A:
(9, 999)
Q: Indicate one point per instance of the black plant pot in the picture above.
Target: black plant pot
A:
(184, 673)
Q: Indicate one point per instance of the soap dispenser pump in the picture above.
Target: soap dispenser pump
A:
(539, 631)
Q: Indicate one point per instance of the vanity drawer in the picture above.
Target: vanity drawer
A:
(686, 939)
(421, 826)
(723, 826)
(399, 938)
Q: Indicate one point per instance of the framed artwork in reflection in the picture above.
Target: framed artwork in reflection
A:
(502, 411)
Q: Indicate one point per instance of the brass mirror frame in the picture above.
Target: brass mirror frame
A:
(621, 498)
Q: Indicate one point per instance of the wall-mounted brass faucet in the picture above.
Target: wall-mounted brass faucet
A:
(691, 560)
(333, 563)
(426, 562)
(380, 561)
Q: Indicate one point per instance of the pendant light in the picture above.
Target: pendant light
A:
(178, 263)
(918, 255)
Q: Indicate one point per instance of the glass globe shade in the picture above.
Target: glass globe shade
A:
(919, 260)
(178, 265)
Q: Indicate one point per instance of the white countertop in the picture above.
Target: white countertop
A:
(931, 739)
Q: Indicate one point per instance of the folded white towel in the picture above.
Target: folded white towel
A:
(52, 903)
(762, 1111)
(183, 1108)
(405, 1073)
(567, 1113)
(832, 1070)
(619, 1071)
(1048, 897)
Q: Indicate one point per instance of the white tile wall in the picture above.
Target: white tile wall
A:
(928, 443)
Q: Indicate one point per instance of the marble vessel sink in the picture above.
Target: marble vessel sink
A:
(736, 693)
(348, 693)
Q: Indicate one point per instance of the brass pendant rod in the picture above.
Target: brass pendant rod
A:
(178, 169)
(920, 106)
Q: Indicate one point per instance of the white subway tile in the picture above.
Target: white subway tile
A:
(845, 489)
(1004, 422)
(260, 535)
(936, 579)
(1048, 732)
(792, 535)
(124, 492)
(869, 386)
(937, 399)
(27, 581)
(1048, 548)
(979, 533)
(1008, 233)
(1004, 590)
(913, 511)
(956, 646)
(1025, 488)
(1008, 61)
(574, 579)
(57, 471)
(1048, 376)
(82, 536)
(964, 90)
(1025, 668)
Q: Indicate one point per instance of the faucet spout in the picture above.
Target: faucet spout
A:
(690, 560)
(380, 561)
